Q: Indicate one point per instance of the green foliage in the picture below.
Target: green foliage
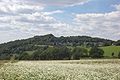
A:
(36, 55)
(78, 52)
(24, 56)
(119, 55)
(113, 54)
(52, 53)
(117, 43)
(96, 52)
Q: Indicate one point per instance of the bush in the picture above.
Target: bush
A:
(96, 52)
(24, 56)
(78, 53)
(119, 55)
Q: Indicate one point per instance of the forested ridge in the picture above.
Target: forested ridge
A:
(51, 47)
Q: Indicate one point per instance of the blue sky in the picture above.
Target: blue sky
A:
(26, 18)
(93, 6)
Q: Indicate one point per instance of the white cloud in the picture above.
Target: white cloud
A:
(100, 24)
(78, 3)
(60, 2)
(53, 12)
(117, 7)
(22, 14)
(27, 18)
(10, 6)
(23, 18)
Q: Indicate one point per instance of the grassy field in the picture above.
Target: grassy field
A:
(110, 49)
(102, 69)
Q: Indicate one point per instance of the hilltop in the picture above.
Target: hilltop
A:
(36, 42)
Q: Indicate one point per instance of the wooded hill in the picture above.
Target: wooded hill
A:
(37, 42)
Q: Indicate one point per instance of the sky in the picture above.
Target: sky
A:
(21, 19)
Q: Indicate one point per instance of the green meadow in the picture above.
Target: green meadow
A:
(111, 49)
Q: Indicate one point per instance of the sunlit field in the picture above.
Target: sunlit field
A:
(103, 69)
(3, 62)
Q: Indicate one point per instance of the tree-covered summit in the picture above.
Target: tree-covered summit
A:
(44, 42)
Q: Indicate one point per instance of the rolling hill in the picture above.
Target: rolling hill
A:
(35, 43)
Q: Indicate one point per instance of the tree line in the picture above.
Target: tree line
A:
(61, 53)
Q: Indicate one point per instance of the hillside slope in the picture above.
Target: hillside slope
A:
(36, 42)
